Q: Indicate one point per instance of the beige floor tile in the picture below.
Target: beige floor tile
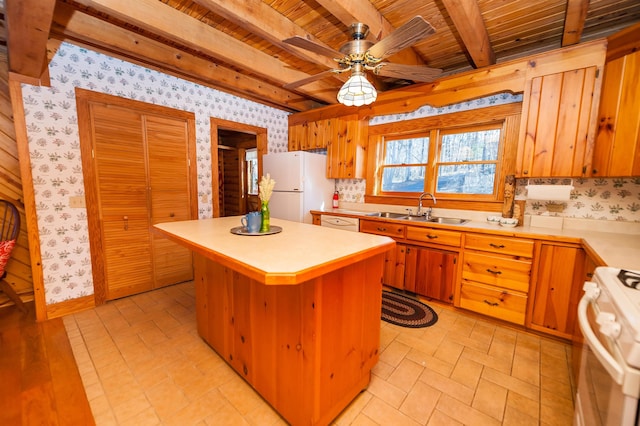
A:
(467, 372)
(394, 353)
(526, 406)
(555, 410)
(241, 396)
(431, 363)
(405, 375)
(353, 410)
(513, 417)
(526, 369)
(382, 370)
(449, 351)
(384, 414)
(490, 399)
(166, 398)
(496, 363)
(448, 386)
(385, 391)
(464, 413)
(511, 383)
(131, 407)
(441, 419)
(420, 402)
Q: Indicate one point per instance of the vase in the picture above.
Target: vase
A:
(264, 226)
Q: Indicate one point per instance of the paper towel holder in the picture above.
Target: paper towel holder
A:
(549, 192)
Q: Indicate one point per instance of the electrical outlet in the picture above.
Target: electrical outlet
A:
(204, 198)
(77, 202)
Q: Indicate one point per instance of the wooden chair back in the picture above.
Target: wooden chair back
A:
(9, 221)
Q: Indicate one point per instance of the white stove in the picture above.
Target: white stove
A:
(622, 301)
(609, 379)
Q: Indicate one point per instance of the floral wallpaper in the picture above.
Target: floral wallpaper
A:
(55, 150)
(604, 199)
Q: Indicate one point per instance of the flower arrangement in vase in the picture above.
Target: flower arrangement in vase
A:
(265, 190)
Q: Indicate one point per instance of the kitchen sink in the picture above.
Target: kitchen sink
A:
(448, 220)
(388, 215)
(419, 218)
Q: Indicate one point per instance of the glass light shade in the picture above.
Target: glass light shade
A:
(357, 91)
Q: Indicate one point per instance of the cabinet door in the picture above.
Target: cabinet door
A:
(346, 154)
(121, 183)
(617, 149)
(558, 124)
(394, 267)
(298, 135)
(168, 158)
(559, 279)
(430, 272)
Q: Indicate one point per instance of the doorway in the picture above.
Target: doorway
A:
(237, 151)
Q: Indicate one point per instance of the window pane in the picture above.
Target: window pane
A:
(403, 179)
(466, 179)
(407, 151)
(471, 146)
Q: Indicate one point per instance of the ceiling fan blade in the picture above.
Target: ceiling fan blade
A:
(408, 72)
(307, 80)
(404, 36)
(313, 47)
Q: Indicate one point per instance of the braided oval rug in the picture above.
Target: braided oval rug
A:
(405, 311)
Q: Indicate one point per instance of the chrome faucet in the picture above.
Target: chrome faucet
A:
(428, 212)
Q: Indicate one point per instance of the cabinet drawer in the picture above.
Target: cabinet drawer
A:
(499, 244)
(501, 271)
(382, 228)
(435, 236)
(498, 303)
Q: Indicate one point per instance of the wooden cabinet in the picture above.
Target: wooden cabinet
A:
(394, 267)
(495, 278)
(346, 150)
(557, 288)
(344, 138)
(309, 135)
(560, 113)
(430, 272)
(617, 148)
(389, 229)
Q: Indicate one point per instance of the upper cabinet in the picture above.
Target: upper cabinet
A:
(346, 150)
(617, 151)
(344, 138)
(559, 115)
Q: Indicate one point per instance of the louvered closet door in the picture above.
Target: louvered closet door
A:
(121, 174)
(169, 182)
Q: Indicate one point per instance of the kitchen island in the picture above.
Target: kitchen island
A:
(296, 314)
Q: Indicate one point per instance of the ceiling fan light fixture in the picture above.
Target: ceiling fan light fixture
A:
(357, 91)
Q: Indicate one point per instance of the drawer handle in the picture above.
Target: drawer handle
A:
(498, 246)
(431, 236)
(491, 271)
(490, 303)
(382, 229)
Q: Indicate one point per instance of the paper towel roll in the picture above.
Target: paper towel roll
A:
(549, 192)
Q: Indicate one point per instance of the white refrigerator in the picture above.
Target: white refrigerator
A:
(301, 184)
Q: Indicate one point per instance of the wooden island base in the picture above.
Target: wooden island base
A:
(308, 348)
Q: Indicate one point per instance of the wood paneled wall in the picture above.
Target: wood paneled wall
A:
(19, 267)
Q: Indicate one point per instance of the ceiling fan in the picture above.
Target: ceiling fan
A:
(360, 54)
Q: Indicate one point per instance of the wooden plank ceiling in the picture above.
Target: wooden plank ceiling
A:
(237, 45)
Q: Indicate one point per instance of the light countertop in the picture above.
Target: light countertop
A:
(300, 252)
(616, 244)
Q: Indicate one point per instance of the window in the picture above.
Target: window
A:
(468, 161)
(405, 164)
(251, 158)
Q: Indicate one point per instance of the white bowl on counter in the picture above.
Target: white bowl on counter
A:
(508, 222)
(493, 220)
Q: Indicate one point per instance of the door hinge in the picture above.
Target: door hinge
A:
(455, 260)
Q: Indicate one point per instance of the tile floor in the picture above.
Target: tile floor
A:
(142, 363)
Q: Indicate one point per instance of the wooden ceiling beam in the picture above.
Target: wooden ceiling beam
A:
(28, 23)
(467, 18)
(172, 24)
(349, 12)
(574, 21)
(267, 23)
(70, 24)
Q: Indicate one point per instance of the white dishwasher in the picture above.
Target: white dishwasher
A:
(339, 222)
